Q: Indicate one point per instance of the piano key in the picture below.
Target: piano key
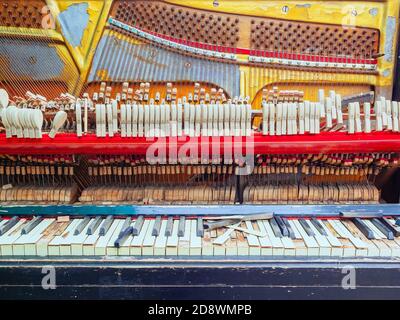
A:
(170, 224)
(391, 225)
(106, 225)
(296, 233)
(282, 226)
(306, 227)
(123, 236)
(231, 245)
(200, 227)
(383, 228)
(275, 228)
(100, 248)
(137, 241)
(242, 244)
(325, 248)
(300, 246)
(160, 244)
(10, 236)
(90, 242)
(369, 234)
(195, 239)
(55, 229)
(358, 243)
(78, 240)
(207, 245)
(184, 242)
(172, 241)
(94, 225)
(318, 226)
(157, 226)
(220, 240)
(265, 242)
(125, 246)
(148, 241)
(377, 233)
(336, 245)
(82, 225)
(372, 249)
(8, 225)
(311, 244)
(111, 250)
(138, 225)
(181, 228)
(252, 240)
(31, 225)
(277, 246)
(220, 249)
(54, 246)
(397, 221)
(289, 229)
(26, 244)
(127, 224)
(349, 249)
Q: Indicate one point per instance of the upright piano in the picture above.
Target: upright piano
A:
(199, 149)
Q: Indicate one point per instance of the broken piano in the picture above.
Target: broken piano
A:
(199, 149)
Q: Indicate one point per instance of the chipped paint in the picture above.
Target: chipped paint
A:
(74, 22)
(390, 32)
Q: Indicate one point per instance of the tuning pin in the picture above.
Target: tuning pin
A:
(58, 122)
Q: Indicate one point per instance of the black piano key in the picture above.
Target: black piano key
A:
(394, 228)
(156, 227)
(292, 235)
(200, 227)
(31, 225)
(170, 225)
(81, 226)
(106, 225)
(123, 235)
(307, 228)
(282, 226)
(318, 226)
(138, 225)
(93, 226)
(126, 224)
(181, 226)
(363, 228)
(275, 228)
(8, 225)
(382, 228)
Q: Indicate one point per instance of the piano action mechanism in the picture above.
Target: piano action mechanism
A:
(243, 134)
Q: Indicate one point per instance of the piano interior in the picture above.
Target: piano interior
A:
(204, 128)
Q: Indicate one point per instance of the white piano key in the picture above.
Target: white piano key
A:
(207, 248)
(227, 234)
(323, 243)
(25, 245)
(301, 248)
(137, 242)
(89, 244)
(337, 246)
(54, 246)
(9, 237)
(61, 245)
(372, 250)
(148, 241)
(184, 242)
(312, 245)
(195, 240)
(172, 241)
(101, 244)
(111, 250)
(361, 247)
(161, 241)
(265, 242)
(254, 244)
(277, 246)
